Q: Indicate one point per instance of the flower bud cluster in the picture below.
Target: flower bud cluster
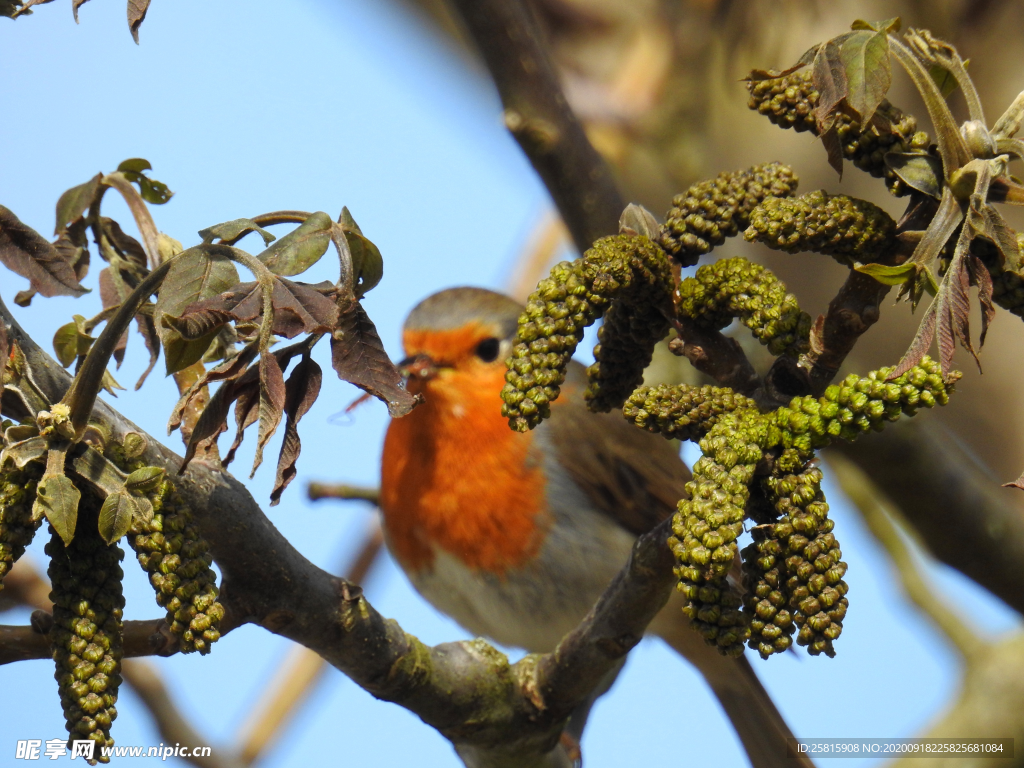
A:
(846, 228)
(738, 288)
(627, 272)
(710, 211)
(790, 101)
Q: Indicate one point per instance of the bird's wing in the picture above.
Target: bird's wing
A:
(632, 476)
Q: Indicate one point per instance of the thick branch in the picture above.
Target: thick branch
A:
(541, 120)
(466, 690)
(957, 508)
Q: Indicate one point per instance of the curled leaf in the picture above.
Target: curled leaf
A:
(26, 252)
(358, 356)
(889, 275)
(234, 230)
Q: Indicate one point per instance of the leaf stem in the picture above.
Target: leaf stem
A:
(140, 211)
(81, 396)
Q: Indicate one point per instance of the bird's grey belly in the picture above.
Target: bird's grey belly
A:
(531, 607)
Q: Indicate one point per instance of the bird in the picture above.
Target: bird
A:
(515, 536)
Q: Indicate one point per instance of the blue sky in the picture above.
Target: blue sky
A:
(248, 108)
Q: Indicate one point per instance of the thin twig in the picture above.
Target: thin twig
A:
(540, 119)
(317, 491)
(883, 519)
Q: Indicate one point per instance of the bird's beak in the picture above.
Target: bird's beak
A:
(422, 367)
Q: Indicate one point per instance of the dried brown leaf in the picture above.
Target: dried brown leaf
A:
(358, 356)
(26, 252)
(301, 391)
(271, 404)
(136, 15)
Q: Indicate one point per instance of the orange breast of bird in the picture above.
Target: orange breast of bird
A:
(454, 476)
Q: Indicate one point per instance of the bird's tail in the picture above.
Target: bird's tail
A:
(753, 714)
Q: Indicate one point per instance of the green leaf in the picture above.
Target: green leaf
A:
(367, 263)
(65, 343)
(180, 353)
(301, 248)
(196, 274)
(70, 341)
(152, 191)
(889, 275)
(116, 516)
(232, 231)
(865, 57)
(57, 499)
(135, 165)
(144, 480)
(920, 171)
(75, 202)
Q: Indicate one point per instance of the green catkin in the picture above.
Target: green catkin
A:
(681, 411)
(845, 228)
(17, 528)
(738, 288)
(793, 571)
(710, 211)
(631, 271)
(789, 102)
(87, 637)
(176, 557)
(626, 342)
(707, 523)
(174, 554)
(790, 574)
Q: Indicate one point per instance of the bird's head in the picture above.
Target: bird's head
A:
(458, 340)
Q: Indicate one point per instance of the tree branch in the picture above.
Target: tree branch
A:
(466, 690)
(540, 119)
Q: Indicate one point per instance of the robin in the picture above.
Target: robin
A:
(515, 536)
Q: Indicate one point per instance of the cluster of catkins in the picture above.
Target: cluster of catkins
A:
(755, 466)
(629, 277)
(17, 528)
(86, 636)
(790, 101)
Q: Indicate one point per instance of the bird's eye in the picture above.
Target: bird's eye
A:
(487, 350)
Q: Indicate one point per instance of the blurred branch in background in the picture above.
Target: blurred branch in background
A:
(991, 698)
(957, 508)
(302, 669)
(540, 119)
